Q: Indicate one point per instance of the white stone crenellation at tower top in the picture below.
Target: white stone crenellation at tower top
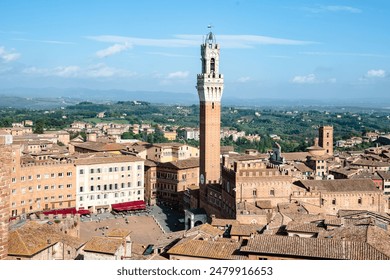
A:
(210, 81)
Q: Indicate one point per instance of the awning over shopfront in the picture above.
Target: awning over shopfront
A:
(66, 211)
(130, 205)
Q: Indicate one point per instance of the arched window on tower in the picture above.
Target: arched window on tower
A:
(212, 65)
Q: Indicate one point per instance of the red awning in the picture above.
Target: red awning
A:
(66, 211)
(130, 205)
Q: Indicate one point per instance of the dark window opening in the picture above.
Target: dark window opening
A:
(212, 65)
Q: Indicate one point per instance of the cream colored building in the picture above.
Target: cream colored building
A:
(106, 179)
(166, 152)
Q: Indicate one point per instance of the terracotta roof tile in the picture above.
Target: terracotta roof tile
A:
(245, 230)
(223, 222)
(206, 229)
(206, 249)
(33, 238)
(303, 227)
(340, 185)
(321, 248)
(103, 245)
(180, 164)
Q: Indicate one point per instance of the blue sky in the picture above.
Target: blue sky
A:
(269, 48)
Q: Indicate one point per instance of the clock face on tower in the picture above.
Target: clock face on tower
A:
(201, 178)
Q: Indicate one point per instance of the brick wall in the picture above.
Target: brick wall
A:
(5, 168)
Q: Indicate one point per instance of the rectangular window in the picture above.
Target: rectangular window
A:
(129, 168)
(81, 189)
(139, 167)
(69, 186)
(139, 183)
(92, 188)
(60, 174)
(91, 171)
(38, 176)
(69, 174)
(81, 171)
(22, 179)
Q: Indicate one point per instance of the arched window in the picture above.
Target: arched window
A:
(212, 65)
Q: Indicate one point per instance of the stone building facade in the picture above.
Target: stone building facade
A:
(41, 185)
(106, 179)
(174, 178)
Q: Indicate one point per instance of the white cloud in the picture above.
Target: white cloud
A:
(333, 8)
(94, 71)
(344, 54)
(114, 49)
(342, 9)
(60, 71)
(178, 75)
(56, 42)
(185, 40)
(309, 79)
(8, 56)
(67, 71)
(375, 73)
(244, 79)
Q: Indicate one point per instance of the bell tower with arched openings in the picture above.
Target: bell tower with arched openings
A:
(210, 89)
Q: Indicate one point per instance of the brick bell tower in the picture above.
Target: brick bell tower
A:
(210, 88)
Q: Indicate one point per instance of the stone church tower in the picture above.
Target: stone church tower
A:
(5, 180)
(210, 88)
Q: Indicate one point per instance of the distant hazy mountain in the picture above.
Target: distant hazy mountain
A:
(56, 97)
